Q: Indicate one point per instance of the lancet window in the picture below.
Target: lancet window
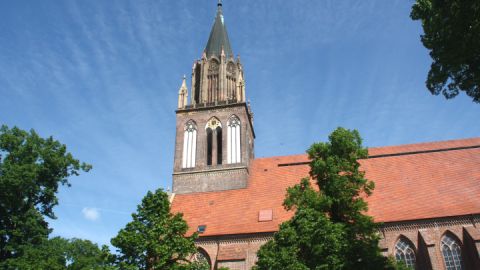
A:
(213, 89)
(404, 252)
(233, 140)
(202, 257)
(452, 253)
(214, 141)
(189, 144)
(231, 81)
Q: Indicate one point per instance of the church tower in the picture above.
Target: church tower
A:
(214, 132)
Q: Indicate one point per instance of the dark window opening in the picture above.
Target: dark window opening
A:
(197, 84)
(209, 146)
(219, 145)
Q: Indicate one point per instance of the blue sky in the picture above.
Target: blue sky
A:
(102, 77)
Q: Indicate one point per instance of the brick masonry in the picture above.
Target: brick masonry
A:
(422, 192)
(203, 177)
(238, 252)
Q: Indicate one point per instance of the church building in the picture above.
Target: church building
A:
(427, 195)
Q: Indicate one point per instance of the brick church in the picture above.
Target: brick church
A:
(427, 195)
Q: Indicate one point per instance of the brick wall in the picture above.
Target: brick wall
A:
(213, 177)
(239, 252)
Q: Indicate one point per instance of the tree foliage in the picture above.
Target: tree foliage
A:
(329, 229)
(155, 238)
(452, 34)
(59, 253)
(31, 170)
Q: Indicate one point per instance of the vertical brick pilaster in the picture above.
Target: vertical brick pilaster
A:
(471, 243)
(427, 243)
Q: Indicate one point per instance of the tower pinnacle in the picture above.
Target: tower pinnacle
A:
(218, 36)
(183, 94)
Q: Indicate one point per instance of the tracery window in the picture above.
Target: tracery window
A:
(404, 252)
(213, 81)
(189, 144)
(231, 81)
(214, 141)
(233, 140)
(452, 253)
(202, 257)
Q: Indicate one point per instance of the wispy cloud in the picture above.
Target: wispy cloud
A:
(91, 213)
(102, 78)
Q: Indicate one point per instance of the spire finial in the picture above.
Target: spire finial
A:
(218, 36)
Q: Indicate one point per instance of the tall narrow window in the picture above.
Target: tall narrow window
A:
(209, 146)
(189, 144)
(212, 78)
(233, 140)
(452, 253)
(219, 145)
(214, 141)
(405, 253)
(197, 84)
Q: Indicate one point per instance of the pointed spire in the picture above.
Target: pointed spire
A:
(184, 84)
(218, 36)
(183, 94)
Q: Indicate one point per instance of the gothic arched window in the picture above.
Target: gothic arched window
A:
(233, 140)
(404, 252)
(231, 81)
(452, 252)
(189, 144)
(213, 81)
(202, 257)
(214, 141)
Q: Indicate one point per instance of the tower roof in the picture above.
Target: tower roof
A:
(218, 37)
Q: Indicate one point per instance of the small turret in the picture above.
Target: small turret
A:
(183, 94)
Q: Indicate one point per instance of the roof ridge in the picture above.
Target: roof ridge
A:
(426, 143)
(425, 151)
(416, 149)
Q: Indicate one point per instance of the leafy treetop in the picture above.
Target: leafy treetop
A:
(329, 229)
(452, 34)
(31, 170)
(155, 238)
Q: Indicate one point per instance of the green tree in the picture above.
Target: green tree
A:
(31, 170)
(329, 229)
(155, 238)
(59, 253)
(452, 34)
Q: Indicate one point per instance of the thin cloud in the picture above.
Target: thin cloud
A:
(91, 213)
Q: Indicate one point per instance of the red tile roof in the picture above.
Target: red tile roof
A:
(415, 181)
